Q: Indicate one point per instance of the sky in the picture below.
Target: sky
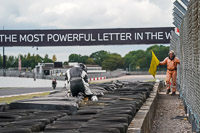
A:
(82, 14)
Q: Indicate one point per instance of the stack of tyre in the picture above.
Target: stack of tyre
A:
(27, 121)
(111, 114)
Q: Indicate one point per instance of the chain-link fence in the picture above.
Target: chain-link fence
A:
(187, 48)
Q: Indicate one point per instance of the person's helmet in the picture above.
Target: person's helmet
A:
(83, 67)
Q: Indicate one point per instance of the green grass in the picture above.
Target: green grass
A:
(152, 80)
(5, 88)
(16, 98)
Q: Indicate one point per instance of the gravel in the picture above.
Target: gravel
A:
(170, 116)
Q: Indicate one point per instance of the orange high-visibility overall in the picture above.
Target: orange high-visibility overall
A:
(171, 71)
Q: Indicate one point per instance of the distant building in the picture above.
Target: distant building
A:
(58, 69)
(95, 69)
(90, 68)
(45, 68)
(72, 63)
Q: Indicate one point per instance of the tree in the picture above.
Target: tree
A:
(1, 61)
(90, 61)
(142, 59)
(132, 58)
(30, 60)
(132, 65)
(54, 59)
(65, 63)
(109, 64)
(74, 58)
(26, 60)
(141, 63)
(28, 56)
(113, 62)
(10, 61)
(38, 58)
(109, 61)
(83, 59)
(161, 53)
(46, 59)
(99, 56)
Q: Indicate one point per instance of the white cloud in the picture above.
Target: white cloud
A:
(86, 13)
(75, 14)
(61, 8)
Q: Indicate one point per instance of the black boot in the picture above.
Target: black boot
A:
(173, 93)
(168, 91)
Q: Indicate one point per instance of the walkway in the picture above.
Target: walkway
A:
(170, 116)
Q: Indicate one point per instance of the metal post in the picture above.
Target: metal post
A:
(4, 61)
(3, 51)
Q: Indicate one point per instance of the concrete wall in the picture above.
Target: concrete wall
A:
(142, 122)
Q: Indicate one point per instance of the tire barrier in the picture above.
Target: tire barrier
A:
(15, 130)
(111, 114)
(3, 107)
(26, 121)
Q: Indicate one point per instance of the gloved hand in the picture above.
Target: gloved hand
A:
(69, 94)
(94, 98)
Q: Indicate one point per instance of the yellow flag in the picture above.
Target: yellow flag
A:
(154, 63)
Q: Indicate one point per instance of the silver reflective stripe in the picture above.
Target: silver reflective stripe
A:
(173, 86)
(75, 78)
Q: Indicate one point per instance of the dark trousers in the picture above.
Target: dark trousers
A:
(76, 87)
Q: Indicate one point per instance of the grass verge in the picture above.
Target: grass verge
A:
(22, 97)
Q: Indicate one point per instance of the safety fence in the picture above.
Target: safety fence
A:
(91, 76)
(187, 48)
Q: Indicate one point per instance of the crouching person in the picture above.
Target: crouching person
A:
(77, 81)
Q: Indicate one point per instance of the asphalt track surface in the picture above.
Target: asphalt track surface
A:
(15, 86)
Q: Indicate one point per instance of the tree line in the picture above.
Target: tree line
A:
(134, 60)
(26, 60)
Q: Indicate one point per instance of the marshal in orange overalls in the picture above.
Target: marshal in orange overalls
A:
(171, 63)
